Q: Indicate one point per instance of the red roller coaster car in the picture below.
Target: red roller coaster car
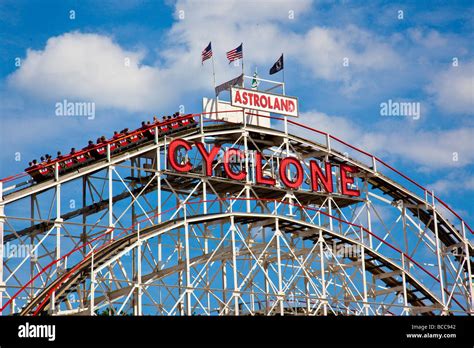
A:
(124, 141)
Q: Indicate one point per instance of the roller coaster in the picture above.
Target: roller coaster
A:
(119, 228)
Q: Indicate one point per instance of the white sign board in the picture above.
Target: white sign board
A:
(251, 99)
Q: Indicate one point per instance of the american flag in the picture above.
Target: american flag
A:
(207, 53)
(235, 54)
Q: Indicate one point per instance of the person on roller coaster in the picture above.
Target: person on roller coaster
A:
(144, 126)
(90, 145)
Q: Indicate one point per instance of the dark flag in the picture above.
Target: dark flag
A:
(235, 54)
(238, 81)
(277, 66)
(207, 53)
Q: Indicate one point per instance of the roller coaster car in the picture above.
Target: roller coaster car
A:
(149, 134)
(127, 142)
(122, 144)
(67, 164)
(165, 129)
(113, 148)
(100, 151)
(188, 122)
(175, 126)
(42, 172)
(185, 123)
(134, 138)
(82, 158)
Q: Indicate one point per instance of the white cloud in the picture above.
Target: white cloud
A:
(458, 182)
(92, 67)
(453, 89)
(427, 148)
(328, 47)
(89, 67)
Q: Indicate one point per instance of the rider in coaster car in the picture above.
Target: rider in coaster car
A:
(31, 165)
(90, 145)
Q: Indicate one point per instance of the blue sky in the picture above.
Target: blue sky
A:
(402, 59)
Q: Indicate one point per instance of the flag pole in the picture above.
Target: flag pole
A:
(214, 76)
(283, 74)
(213, 71)
(243, 79)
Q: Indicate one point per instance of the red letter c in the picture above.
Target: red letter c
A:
(173, 149)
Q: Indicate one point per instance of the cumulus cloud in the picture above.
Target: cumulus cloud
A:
(95, 68)
(89, 67)
(364, 52)
(453, 89)
(455, 182)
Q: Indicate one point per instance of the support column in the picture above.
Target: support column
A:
(57, 225)
(158, 202)
(439, 257)
(139, 275)
(92, 304)
(404, 283)
(224, 270)
(368, 203)
(206, 243)
(280, 286)
(234, 268)
(188, 270)
(323, 276)
(364, 279)
(111, 202)
(248, 180)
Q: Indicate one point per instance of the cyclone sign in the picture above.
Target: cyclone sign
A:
(321, 177)
(276, 103)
